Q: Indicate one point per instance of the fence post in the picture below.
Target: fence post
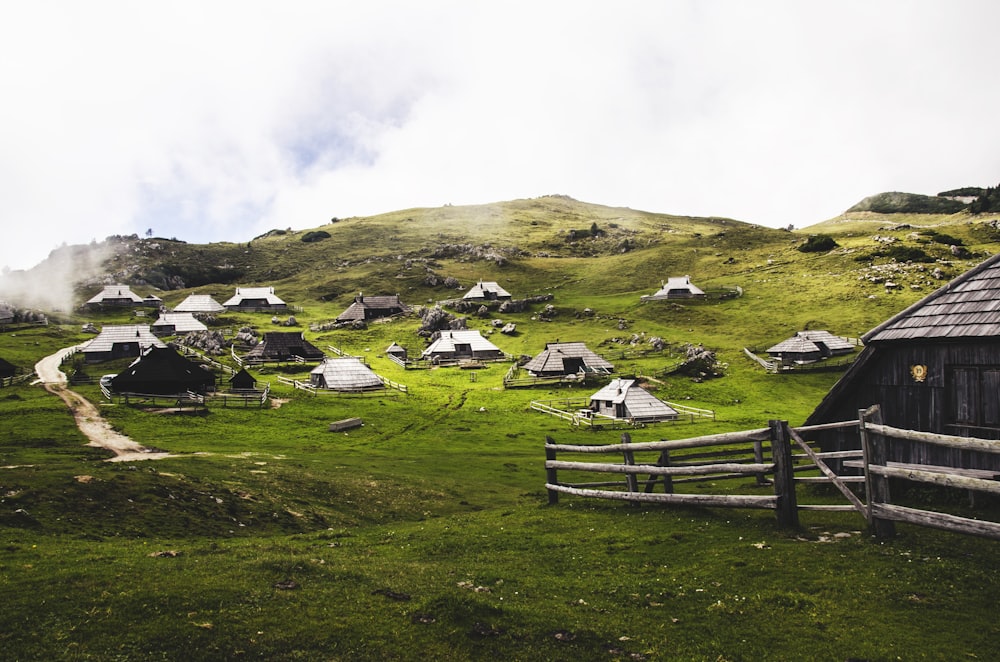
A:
(668, 480)
(758, 456)
(631, 480)
(784, 477)
(550, 473)
(873, 447)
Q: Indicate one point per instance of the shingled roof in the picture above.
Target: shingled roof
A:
(486, 290)
(173, 323)
(116, 294)
(967, 307)
(284, 345)
(373, 307)
(161, 370)
(345, 373)
(265, 295)
(561, 358)
(112, 335)
(199, 303)
(640, 404)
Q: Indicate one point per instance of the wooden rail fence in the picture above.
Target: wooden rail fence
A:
(774, 456)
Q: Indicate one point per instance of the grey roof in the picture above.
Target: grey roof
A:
(199, 303)
(640, 403)
(795, 345)
(126, 333)
(345, 373)
(487, 289)
(678, 287)
(445, 343)
(550, 359)
(182, 322)
(264, 293)
(283, 345)
(967, 307)
(115, 293)
(835, 344)
(371, 307)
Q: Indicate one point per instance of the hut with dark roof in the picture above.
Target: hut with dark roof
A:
(365, 309)
(560, 359)
(284, 346)
(162, 371)
(934, 367)
(242, 381)
(7, 369)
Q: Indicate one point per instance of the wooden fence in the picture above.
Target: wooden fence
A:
(775, 457)
(16, 379)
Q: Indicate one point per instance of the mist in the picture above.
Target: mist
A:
(51, 285)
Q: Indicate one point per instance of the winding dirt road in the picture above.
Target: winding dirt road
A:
(88, 418)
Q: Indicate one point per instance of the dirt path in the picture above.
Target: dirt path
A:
(88, 418)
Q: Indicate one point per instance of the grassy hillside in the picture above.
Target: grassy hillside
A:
(425, 533)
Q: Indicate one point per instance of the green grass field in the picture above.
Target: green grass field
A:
(426, 533)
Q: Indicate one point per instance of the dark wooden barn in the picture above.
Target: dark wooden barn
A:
(934, 367)
(242, 381)
(364, 308)
(284, 346)
(162, 371)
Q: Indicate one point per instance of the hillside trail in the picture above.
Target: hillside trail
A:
(88, 418)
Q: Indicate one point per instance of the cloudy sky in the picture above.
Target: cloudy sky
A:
(211, 121)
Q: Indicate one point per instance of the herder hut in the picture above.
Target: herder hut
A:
(199, 304)
(254, 299)
(461, 345)
(171, 324)
(284, 346)
(677, 287)
(7, 369)
(120, 341)
(364, 309)
(242, 381)
(162, 371)
(809, 347)
(934, 367)
(346, 374)
(487, 291)
(624, 399)
(561, 359)
(397, 352)
(115, 296)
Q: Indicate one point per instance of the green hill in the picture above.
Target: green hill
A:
(908, 203)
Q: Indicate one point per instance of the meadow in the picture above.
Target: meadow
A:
(426, 533)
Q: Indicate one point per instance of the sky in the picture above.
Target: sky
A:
(217, 121)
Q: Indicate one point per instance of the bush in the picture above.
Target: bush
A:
(818, 243)
(315, 235)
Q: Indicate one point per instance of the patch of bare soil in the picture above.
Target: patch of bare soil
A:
(277, 402)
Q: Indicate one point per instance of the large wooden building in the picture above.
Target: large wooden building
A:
(284, 346)
(933, 367)
(365, 309)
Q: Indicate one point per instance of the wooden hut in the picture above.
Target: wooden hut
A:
(120, 341)
(171, 324)
(346, 374)
(284, 346)
(115, 296)
(676, 287)
(7, 369)
(242, 381)
(162, 371)
(365, 309)
(461, 345)
(487, 291)
(199, 304)
(255, 299)
(625, 399)
(809, 347)
(560, 359)
(397, 352)
(934, 367)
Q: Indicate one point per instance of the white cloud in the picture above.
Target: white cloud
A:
(217, 121)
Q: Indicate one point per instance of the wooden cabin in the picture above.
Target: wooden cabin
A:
(560, 359)
(173, 324)
(120, 341)
(624, 399)
(397, 352)
(255, 300)
(487, 291)
(461, 345)
(115, 296)
(365, 309)
(7, 369)
(284, 346)
(346, 374)
(809, 347)
(202, 304)
(676, 287)
(242, 381)
(934, 367)
(162, 371)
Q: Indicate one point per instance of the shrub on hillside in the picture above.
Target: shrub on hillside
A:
(315, 235)
(817, 243)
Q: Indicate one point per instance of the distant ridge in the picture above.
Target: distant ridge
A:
(895, 202)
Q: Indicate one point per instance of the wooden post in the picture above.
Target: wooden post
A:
(550, 474)
(631, 481)
(668, 480)
(784, 476)
(758, 456)
(873, 447)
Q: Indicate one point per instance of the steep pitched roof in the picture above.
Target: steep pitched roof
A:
(263, 293)
(967, 307)
(283, 345)
(835, 344)
(678, 287)
(641, 404)
(552, 358)
(446, 342)
(795, 345)
(7, 369)
(161, 370)
(115, 293)
(487, 289)
(345, 373)
(199, 303)
(112, 335)
(182, 323)
(371, 307)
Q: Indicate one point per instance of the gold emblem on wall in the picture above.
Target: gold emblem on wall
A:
(919, 372)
